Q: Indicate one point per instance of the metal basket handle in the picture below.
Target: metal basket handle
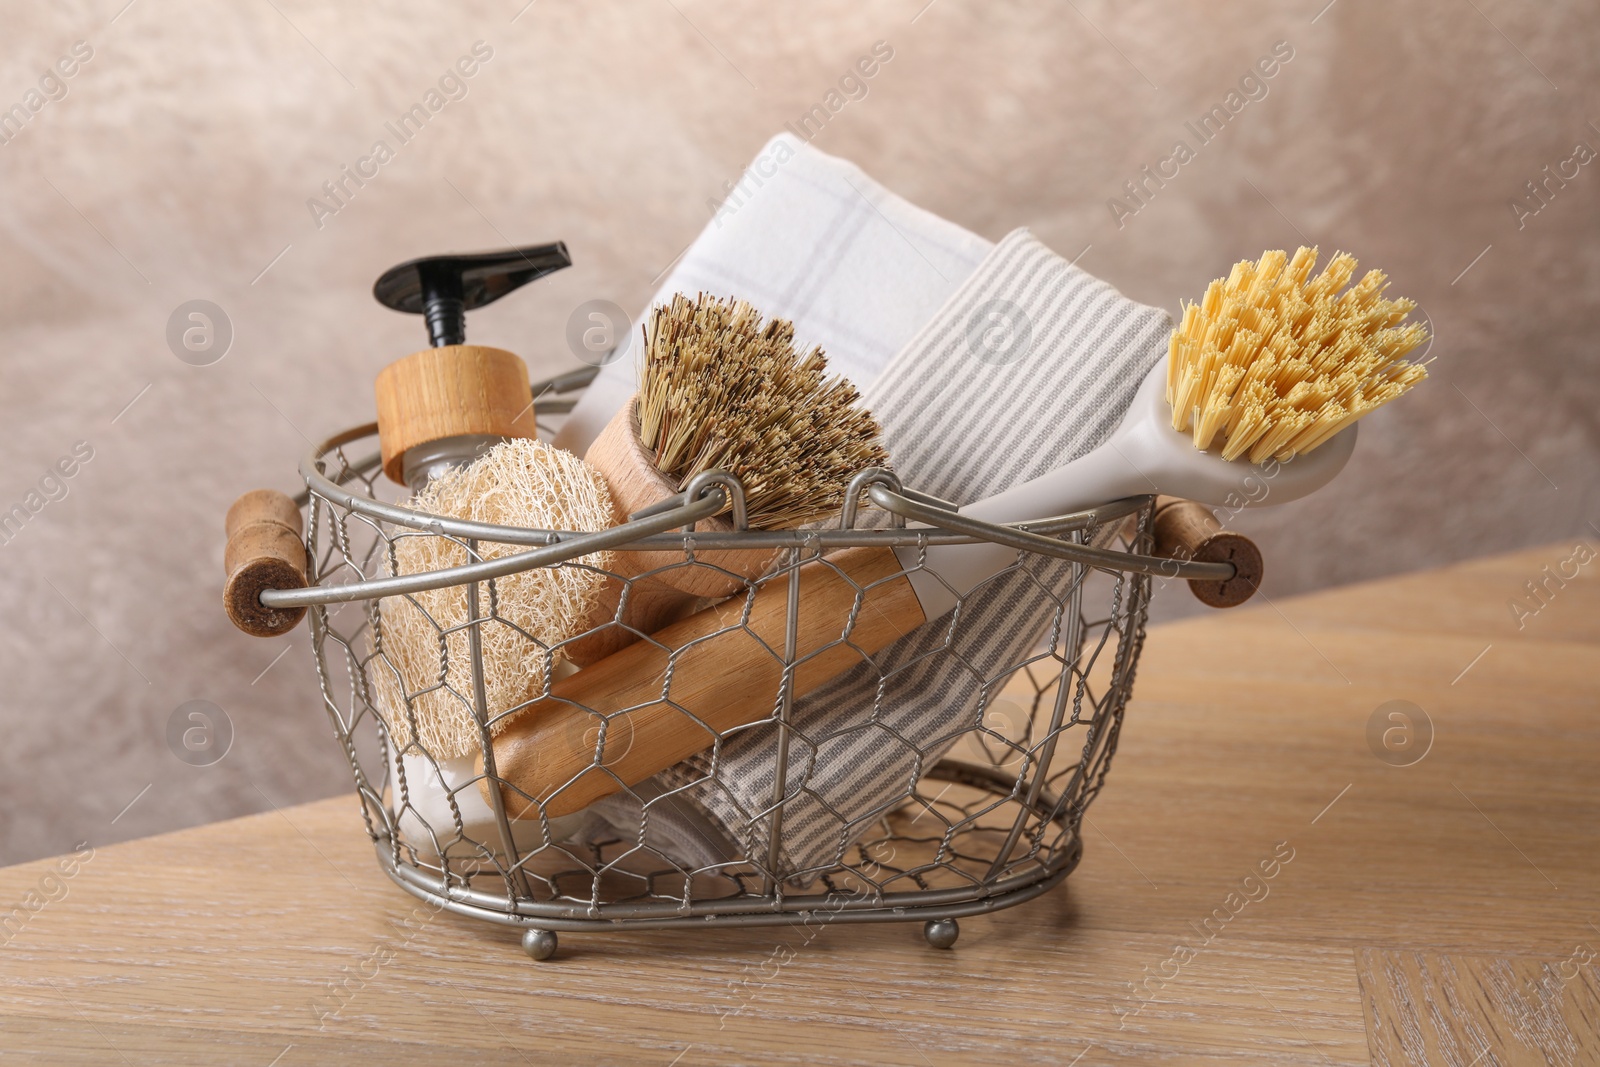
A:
(268, 593)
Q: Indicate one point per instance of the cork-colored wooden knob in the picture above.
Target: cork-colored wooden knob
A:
(1186, 530)
(451, 391)
(264, 552)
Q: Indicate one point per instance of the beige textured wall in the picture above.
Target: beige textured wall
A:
(179, 162)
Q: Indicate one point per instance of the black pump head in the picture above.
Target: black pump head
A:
(444, 288)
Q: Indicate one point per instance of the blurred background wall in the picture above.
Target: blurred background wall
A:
(176, 162)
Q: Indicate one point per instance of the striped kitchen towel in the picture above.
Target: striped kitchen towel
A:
(1028, 365)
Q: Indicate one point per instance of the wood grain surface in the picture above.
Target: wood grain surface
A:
(1429, 1007)
(1258, 887)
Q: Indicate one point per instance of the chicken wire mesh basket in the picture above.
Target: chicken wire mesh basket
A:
(980, 814)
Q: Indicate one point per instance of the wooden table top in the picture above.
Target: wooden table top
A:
(1442, 912)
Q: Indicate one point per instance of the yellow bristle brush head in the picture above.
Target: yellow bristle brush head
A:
(1272, 362)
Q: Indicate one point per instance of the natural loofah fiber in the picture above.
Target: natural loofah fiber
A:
(424, 640)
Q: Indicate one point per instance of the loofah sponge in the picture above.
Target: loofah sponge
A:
(422, 671)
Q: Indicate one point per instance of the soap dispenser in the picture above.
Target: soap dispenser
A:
(447, 404)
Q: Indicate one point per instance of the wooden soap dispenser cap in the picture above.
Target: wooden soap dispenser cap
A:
(448, 403)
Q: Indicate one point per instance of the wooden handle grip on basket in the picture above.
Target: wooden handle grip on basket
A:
(264, 552)
(727, 672)
(1186, 530)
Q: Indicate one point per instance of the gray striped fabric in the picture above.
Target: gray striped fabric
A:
(1030, 364)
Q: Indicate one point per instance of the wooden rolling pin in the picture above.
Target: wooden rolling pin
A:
(557, 753)
(264, 552)
(729, 680)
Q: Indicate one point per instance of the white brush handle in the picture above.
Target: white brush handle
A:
(1144, 455)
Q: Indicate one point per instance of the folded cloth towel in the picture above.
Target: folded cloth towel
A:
(808, 237)
(811, 238)
(1029, 364)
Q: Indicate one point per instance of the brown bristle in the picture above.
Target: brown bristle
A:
(1272, 362)
(718, 389)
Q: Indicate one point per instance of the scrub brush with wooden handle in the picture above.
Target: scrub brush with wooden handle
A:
(720, 390)
(1273, 366)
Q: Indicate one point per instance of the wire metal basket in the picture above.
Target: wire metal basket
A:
(987, 822)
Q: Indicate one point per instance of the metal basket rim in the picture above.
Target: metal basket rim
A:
(704, 497)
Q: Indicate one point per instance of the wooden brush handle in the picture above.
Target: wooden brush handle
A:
(651, 605)
(1186, 530)
(727, 679)
(264, 552)
(635, 483)
(630, 471)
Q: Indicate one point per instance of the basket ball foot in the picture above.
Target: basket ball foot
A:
(540, 944)
(941, 933)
